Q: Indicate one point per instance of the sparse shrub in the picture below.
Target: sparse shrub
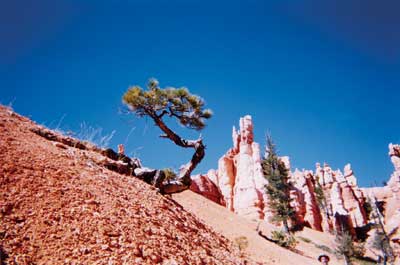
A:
(9, 107)
(347, 248)
(324, 248)
(283, 239)
(304, 239)
(319, 194)
(368, 208)
(365, 262)
(94, 135)
(169, 174)
(359, 250)
(382, 242)
(242, 243)
(381, 239)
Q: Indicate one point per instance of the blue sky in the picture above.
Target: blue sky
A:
(321, 76)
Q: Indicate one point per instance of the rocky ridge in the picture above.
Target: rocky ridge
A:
(62, 202)
(238, 183)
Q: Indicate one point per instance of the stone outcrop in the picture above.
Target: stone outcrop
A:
(341, 202)
(394, 153)
(304, 199)
(248, 197)
(324, 200)
(239, 177)
(58, 206)
(239, 184)
(389, 197)
(205, 185)
(392, 213)
(117, 162)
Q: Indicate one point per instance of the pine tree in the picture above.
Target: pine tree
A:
(278, 187)
(345, 246)
(177, 103)
(381, 240)
(321, 199)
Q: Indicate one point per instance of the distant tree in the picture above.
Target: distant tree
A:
(381, 240)
(177, 103)
(382, 243)
(345, 246)
(278, 187)
(283, 239)
(321, 199)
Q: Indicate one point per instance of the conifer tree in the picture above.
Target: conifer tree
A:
(176, 103)
(321, 200)
(278, 187)
(381, 240)
(345, 246)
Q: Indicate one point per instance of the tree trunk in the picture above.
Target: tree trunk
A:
(388, 253)
(285, 226)
(183, 181)
(346, 260)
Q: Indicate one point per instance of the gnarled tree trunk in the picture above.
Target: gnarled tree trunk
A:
(183, 181)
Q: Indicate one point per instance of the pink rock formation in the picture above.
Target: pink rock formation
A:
(349, 176)
(392, 217)
(394, 153)
(226, 179)
(239, 184)
(246, 199)
(344, 200)
(354, 205)
(205, 186)
(121, 149)
(389, 195)
(239, 177)
(296, 194)
(305, 202)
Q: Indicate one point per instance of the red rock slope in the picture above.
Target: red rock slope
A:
(58, 206)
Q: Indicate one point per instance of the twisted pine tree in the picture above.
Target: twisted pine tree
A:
(177, 103)
(278, 187)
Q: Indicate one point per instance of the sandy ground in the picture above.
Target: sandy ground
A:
(259, 249)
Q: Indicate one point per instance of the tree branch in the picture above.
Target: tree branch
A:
(162, 114)
(172, 113)
(185, 170)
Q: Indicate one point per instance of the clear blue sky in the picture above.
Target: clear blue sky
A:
(322, 76)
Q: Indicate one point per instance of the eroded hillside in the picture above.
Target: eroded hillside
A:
(59, 206)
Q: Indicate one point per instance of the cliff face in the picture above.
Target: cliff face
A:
(324, 199)
(389, 196)
(239, 177)
(344, 204)
(305, 200)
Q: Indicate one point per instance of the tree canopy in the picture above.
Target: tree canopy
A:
(178, 103)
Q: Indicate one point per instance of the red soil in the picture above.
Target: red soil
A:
(57, 206)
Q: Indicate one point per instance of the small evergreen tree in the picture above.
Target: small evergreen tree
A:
(283, 239)
(177, 103)
(321, 199)
(381, 240)
(278, 187)
(345, 246)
